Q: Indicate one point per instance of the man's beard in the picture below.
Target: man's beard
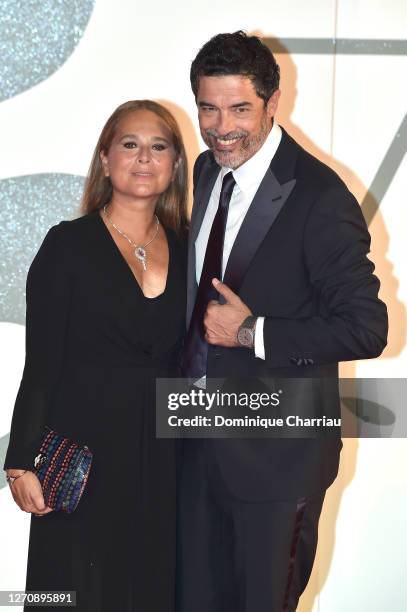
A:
(249, 145)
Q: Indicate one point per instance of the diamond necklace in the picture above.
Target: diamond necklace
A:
(139, 250)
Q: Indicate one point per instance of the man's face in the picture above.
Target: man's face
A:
(233, 120)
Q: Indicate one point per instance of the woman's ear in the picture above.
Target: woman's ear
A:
(105, 163)
(177, 163)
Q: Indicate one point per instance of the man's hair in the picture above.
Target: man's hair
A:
(237, 54)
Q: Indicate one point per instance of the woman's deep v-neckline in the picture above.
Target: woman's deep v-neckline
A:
(128, 268)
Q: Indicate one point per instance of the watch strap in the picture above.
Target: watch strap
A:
(249, 323)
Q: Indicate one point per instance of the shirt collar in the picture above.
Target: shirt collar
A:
(251, 173)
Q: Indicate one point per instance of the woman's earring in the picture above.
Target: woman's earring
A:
(105, 166)
(174, 171)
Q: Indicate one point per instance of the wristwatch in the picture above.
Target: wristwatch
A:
(246, 331)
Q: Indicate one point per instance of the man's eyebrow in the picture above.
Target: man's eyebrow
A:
(237, 105)
(240, 104)
(203, 103)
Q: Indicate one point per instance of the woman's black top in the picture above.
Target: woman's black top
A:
(94, 347)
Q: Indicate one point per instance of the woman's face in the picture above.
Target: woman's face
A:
(141, 160)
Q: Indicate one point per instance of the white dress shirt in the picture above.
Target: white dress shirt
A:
(248, 178)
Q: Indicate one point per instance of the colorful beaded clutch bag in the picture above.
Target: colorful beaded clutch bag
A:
(63, 468)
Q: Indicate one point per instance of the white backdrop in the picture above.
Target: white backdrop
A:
(344, 108)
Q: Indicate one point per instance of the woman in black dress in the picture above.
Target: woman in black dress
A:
(103, 321)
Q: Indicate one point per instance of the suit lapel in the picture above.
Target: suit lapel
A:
(264, 209)
(203, 190)
(268, 202)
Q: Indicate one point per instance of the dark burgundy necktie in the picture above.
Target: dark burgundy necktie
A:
(196, 348)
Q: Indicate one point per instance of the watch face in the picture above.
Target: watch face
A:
(245, 336)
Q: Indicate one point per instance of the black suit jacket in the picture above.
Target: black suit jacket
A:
(300, 260)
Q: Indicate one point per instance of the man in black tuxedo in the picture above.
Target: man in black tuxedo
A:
(298, 296)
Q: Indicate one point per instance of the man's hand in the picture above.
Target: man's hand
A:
(222, 321)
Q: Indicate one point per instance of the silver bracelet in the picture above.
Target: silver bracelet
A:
(11, 479)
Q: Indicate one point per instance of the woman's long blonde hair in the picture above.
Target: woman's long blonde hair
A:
(171, 207)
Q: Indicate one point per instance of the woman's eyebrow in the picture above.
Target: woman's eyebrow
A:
(152, 138)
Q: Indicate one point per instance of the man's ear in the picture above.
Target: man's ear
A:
(105, 163)
(272, 104)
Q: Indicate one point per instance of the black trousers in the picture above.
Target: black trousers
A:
(239, 556)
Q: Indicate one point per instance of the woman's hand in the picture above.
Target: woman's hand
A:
(27, 493)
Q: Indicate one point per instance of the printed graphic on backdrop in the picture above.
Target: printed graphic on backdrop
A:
(36, 38)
